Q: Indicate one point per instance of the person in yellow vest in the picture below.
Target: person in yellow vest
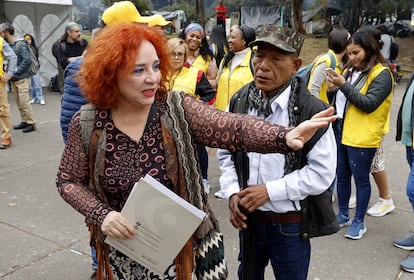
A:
(189, 79)
(199, 52)
(336, 57)
(235, 70)
(6, 54)
(337, 42)
(201, 57)
(160, 22)
(362, 98)
(184, 77)
(385, 203)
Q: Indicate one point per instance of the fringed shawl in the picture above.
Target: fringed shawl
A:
(203, 255)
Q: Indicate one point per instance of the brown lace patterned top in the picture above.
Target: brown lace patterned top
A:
(128, 160)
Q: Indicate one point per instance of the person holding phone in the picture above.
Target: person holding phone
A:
(362, 98)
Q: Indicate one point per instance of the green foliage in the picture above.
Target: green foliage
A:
(382, 9)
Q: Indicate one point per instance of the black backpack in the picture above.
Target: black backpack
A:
(55, 47)
(54, 84)
(393, 50)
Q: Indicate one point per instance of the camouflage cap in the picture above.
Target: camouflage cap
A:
(283, 38)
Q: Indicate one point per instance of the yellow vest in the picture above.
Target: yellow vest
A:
(365, 130)
(185, 81)
(327, 59)
(201, 64)
(1, 59)
(229, 83)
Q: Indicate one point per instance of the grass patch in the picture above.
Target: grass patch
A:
(312, 47)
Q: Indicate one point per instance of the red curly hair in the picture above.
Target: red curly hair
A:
(113, 52)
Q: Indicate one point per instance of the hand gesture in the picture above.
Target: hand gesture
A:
(301, 134)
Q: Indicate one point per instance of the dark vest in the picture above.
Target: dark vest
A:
(318, 217)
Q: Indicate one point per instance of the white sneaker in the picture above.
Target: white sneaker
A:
(381, 208)
(42, 102)
(206, 186)
(219, 194)
(33, 101)
(352, 202)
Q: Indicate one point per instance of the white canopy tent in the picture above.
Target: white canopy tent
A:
(45, 20)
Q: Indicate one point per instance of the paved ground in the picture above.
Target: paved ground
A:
(41, 237)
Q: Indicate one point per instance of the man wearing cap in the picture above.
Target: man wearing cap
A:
(265, 190)
(123, 12)
(159, 22)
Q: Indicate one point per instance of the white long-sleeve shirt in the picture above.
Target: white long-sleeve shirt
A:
(314, 178)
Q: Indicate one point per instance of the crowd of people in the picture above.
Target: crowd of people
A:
(158, 102)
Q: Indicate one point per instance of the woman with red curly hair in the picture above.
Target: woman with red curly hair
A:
(139, 129)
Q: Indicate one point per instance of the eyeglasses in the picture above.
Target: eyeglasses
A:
(177, 55)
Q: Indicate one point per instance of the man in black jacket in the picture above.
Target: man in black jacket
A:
(71, 47)
(20, 81)
(266, 191)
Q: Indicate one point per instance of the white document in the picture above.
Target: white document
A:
(163, 221)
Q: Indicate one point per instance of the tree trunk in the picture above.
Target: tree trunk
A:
(200, 12)
(297, 15)
(355, 12)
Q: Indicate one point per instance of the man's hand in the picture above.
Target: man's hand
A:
(237, 218)
(115, 225)
(253, 197)
(301, 134)
(5, 78)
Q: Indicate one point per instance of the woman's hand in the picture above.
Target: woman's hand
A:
(333, 79)
(115, 225)
(301, 134)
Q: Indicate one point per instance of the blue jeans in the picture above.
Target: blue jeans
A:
(336, 127)
(354, 162)
(36, 88)
(410, 180)
(283, 246)
(94, 258)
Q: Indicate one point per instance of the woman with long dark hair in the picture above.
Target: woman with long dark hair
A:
(218, 43)
(36, 91)
(362, 97)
